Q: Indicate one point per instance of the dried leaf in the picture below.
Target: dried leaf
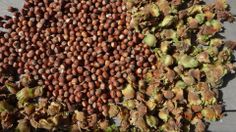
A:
(188, 61)
(104, 124)
(151, 104)
(54, 108)
(43, 123)
(208, 97)
(168, 94)
(78, 116)
(4, 106)
(209, 114)
(24, 94)
(11, 88)
(23, 126)
(141, 124)
(203, 57)
(194, 98)
(141, 108)
(167, 21)
(128, 92)
(164, 115)
(164, 7)
(130, 104)
(151, 121)
(113, 110)
(7, 119)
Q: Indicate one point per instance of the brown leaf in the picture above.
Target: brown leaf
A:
(170, 75)
(164, 115)
(29, 109)
(179, 95)
(113, 110)
(23, 126)
(208, 30)
(128, 92)
(193, 23)
(218, 109)
(169, 105)
(208, 97)
(54, 108)
(164, 7)
(197, 108)
(209, 114)
(200, 126)
(230, 44)
(151, 89)
(196, 73)
(220, 4)
(159, 98)
(176, 2)
(188, 114)
(168, 94)
(46, 124)
(151, 104)
(141, 124)
(142, 109)
(194, 98)
(34, 123)
(140, 96)
(201, 86)
(92, 120)
(203, 57)
(78, 116)
(104, 124)
(7, 119)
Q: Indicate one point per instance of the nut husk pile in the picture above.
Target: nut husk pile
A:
(113, 65)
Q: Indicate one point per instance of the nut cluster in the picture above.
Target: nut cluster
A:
(82, 51)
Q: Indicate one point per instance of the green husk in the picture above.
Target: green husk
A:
(181, 84)
(200, 18)
(112, 128)
(128, 92)
(151, 121)
(25, 94)
(150, 40)
(188, 61)
(130, 104)
(194, 9)
(168, 60)
(164, 115)
(151, 104)
(209, 114)
(167, 21)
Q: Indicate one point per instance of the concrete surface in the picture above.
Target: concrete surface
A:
(228, 123)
